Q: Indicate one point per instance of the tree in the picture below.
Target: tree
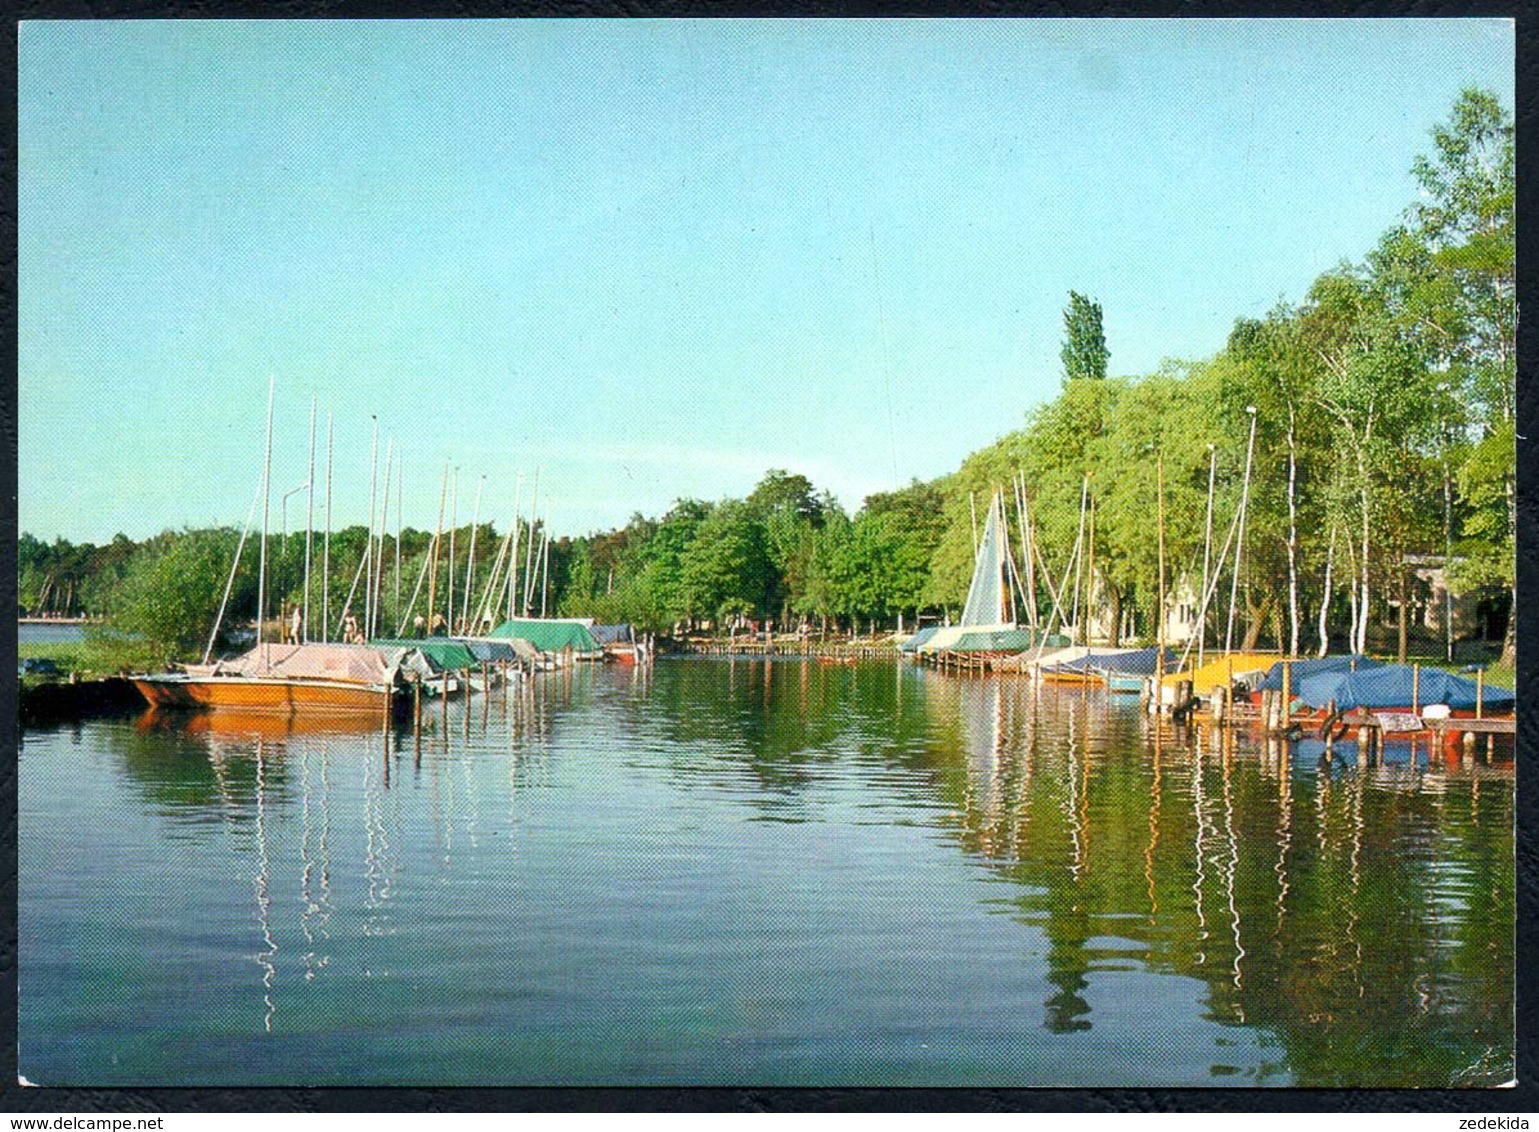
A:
(1084, 348)
(1466, 220)
(170, 596)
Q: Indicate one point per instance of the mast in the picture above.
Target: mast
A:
(368, 545)
(309, 518)
(1090, 576)
(1079, 541)
(443, 495)
(267, 467)
(470, 562)
(384, 519)
(529, 570)
(400, 486)
(545, 571)
(1159, 480)
(1207, 547)
(326, 559)
(512, 583)
(454, 521)
(1239, 544)
(1002, 536)
(1028, 560)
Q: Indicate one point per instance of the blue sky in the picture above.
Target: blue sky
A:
(653, 259)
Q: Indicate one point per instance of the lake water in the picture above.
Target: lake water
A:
(758, 873)
(45, 632)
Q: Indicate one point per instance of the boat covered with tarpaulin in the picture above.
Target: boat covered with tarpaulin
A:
(443, 653)
(1218, 672)
(306, 679)
(919, 640)
(1399, 687)
(1300, 670)
(552, 635)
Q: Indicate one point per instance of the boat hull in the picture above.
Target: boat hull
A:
(258, 694)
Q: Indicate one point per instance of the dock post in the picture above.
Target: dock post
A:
(465, 675)
(486, 693)
(416, 705)
(1480, 692)
(444, 695)
(1287, 692)
(1415, 689)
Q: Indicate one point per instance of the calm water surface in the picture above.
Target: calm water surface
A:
(758, 873)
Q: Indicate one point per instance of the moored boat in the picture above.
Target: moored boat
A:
(304, 679)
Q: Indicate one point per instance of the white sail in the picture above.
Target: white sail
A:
(988, 597)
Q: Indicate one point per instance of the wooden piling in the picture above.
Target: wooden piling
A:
(1480, 692)
(1415, 689)
(1287, 692)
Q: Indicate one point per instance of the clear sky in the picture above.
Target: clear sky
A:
(653, 259)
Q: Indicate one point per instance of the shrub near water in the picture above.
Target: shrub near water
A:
(169, 599)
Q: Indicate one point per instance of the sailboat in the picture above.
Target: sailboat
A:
(987, 625)
(288, 679)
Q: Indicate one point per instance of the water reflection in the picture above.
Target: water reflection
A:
(1333, 941)
(580, 867)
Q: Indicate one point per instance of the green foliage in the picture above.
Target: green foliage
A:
(170, 596)
(1084, 348)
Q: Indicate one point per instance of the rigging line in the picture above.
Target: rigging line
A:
(881, 322)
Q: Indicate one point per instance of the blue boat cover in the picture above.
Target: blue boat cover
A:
(611, 634)
(1303, 669)
(1140, 663)
(486, 650)
(1390, 685)
(1096, 660)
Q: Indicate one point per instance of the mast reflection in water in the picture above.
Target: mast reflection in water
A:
(740, 872)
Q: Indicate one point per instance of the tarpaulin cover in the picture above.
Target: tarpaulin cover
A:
(1215, 673)
(353, 664)
(443, 653)
(1088, 660)
(490, 651)
(1143, 662)
(1391, 685)
(1303, 669)
(995, 640)
(612, 634)
(920, 638)
(547, 635)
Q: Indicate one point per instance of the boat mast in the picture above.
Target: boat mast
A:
(443, 495)
(267, 466)
(1079, 541)
(1207, 547)
(518, 486)
(1028, 559)
(230, 582)
(1159, 481)
(384, 521)
(1239, 544)
(400, 486)
(368, 546)
(470, 562)
(545, 571)
(529, 565)
(454, 519)
(309, 518)
(326, 558)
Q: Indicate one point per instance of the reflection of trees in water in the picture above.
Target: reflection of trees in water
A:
(1316, 907)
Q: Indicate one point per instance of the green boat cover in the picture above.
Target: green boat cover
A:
(442, 653)
(548, 636)
(918, 639)
(996, 640)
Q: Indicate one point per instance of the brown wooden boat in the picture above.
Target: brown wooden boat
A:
(310, 679)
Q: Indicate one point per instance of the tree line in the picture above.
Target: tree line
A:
(1376, 413)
